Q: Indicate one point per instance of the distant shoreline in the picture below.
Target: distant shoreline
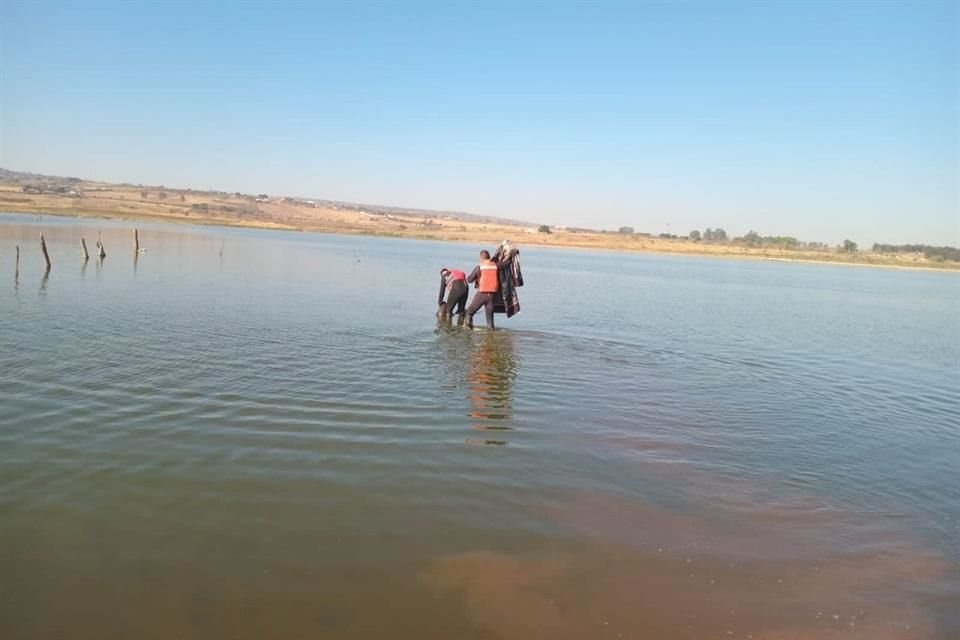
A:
(234, 210)
(237, 224)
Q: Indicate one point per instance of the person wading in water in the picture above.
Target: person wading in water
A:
(484, 275)
(453, 283)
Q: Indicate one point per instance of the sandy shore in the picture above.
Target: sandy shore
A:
(215, 208)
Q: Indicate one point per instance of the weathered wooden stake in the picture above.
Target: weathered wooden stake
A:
(43, 247)
(86, 254)
(101, 252)
(18, 259)
(136, 241)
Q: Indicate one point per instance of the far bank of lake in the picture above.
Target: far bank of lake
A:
(127, 203)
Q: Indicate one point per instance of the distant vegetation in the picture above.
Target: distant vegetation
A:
(714, 235)
(930, 253)
(41, 193)
(753, 239)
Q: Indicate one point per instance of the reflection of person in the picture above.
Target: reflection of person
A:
(484, 275)
(453, 283)
(490, 381)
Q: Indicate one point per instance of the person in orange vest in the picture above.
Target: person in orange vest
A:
(485, 278)
(453, 283)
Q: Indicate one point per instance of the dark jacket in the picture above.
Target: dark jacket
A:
(508, 260)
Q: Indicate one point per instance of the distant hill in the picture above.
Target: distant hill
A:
(377, 209)
(22, 177)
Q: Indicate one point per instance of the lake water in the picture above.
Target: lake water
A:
(255, 434)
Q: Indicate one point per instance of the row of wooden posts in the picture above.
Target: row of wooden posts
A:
(101, 251)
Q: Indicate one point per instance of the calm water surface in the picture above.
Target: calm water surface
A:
(249, 434)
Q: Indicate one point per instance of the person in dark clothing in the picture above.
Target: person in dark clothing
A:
(484, 276)
(453, 283)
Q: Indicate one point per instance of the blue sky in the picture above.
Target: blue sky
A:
(822, 120)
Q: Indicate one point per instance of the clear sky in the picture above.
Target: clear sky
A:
(817, 119)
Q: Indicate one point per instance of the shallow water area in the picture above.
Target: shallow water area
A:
(248, 434)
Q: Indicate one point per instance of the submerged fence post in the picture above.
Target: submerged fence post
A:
(17, 267)
(101, 252)
(86, 254)
(43, 247)
(136, 241)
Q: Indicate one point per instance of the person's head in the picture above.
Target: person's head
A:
(444, 272)
(484, 255)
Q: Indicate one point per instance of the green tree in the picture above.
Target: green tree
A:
(544, 229)
(694, 235)
(626, 230)
(849, 246)
(752, 239)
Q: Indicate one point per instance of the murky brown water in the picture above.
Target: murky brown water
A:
(280, 442)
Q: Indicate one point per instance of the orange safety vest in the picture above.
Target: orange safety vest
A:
(488, 276)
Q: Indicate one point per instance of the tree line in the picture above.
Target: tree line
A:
(754, 239)
(929, 252)
(749, 239)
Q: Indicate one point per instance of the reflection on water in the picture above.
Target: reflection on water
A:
(486, 442)
(490, 379)
(481, 366)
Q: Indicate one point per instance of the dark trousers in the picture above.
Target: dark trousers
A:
(457, 298)
(484, 300)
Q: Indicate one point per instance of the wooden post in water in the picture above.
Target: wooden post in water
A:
(17, 268)
(136, 241)
(43, 247)
(86, 254)
(101, 252)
